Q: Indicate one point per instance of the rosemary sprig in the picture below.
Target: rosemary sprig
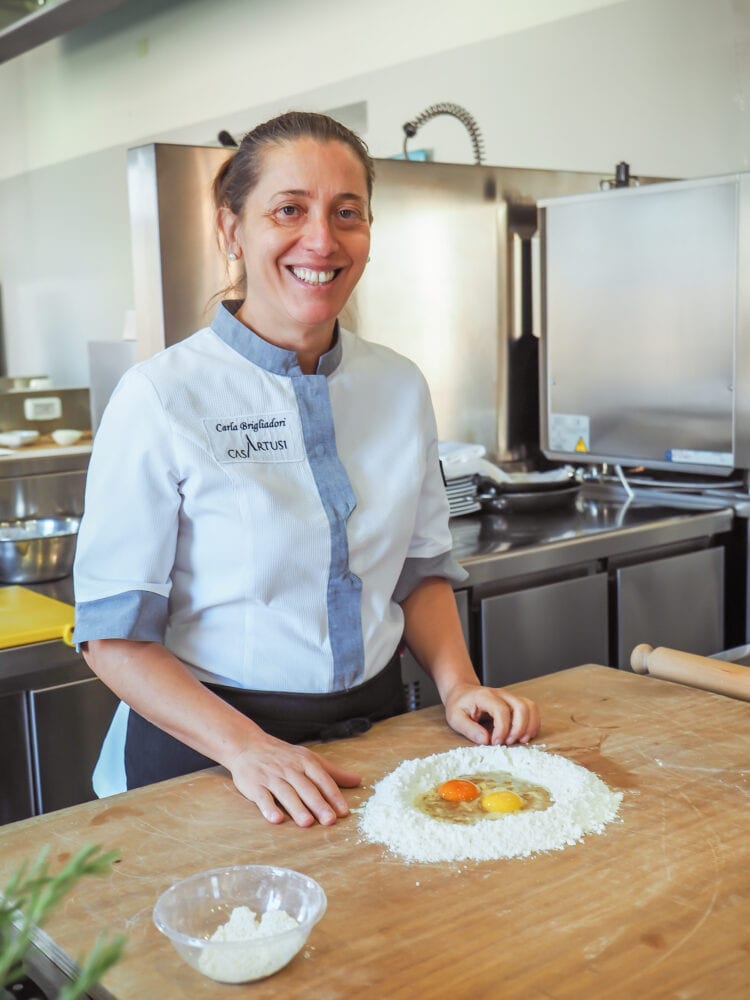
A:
(30, 897)
(102, 956)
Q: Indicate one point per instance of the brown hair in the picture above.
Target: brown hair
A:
(240, 173)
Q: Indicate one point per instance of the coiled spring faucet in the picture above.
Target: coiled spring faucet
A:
(446, 108)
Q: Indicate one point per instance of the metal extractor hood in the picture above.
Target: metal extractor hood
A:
(24, 24)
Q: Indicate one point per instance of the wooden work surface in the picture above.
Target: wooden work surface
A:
(656, 906)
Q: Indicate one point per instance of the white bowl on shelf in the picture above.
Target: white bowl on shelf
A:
(66, 436)
(17, 438)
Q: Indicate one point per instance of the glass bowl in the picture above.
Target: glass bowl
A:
(287, 905)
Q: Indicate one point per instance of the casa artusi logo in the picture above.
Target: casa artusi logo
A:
(253, 447)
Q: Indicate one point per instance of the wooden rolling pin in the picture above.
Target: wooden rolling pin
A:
(718, 676)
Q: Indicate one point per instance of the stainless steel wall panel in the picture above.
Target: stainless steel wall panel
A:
(197, 263)
(449, 285)
(143, 203)
(640, 325)
(177, 265)
(433, 288)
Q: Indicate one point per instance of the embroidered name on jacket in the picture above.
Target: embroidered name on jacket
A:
(259, 437)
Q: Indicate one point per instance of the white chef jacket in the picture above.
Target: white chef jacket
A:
(261, 523)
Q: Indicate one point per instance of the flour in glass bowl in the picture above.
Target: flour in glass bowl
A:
(581, 804)
(270, 945)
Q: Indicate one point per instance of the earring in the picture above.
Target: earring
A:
(232, 256)
(369, 259)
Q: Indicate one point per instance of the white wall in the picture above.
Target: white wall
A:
(663, 84)
(154, 65)
(65, 268)
(567, 84)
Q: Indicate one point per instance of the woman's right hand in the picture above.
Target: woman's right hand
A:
(279, 776)
(275, 775)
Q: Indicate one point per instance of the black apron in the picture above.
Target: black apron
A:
(153, 755)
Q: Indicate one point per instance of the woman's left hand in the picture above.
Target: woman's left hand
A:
(488, 715)
(432, 631)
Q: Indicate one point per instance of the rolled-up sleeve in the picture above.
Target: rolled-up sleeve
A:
(126, 544)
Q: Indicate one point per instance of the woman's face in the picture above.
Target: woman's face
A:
(304, 232)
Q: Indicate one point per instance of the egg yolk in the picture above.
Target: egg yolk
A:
(458, 790)
(501, 802)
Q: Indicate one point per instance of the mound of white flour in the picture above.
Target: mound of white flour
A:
(582, 804)
(270, 946)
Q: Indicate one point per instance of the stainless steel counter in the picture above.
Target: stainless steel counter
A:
(498, 547)
(493, 548)
(35, 462)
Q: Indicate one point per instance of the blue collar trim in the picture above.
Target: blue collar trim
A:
(268, 356)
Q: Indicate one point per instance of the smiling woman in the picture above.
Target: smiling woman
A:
(305, 248)
(255, 545)
(294, 203)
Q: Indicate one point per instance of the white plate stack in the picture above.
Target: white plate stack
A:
(462, 495)
(460, 464)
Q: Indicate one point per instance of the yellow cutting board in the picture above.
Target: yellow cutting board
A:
(27, 617)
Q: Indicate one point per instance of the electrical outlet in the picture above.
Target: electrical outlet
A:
(42, 408)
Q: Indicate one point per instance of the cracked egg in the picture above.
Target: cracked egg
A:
(472, 798)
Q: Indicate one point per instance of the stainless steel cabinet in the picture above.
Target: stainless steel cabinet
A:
(542, 629)
(420, 691)
(673, 600)
(67, 726)
(16, 795)
(53, 716)
(676, 602)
